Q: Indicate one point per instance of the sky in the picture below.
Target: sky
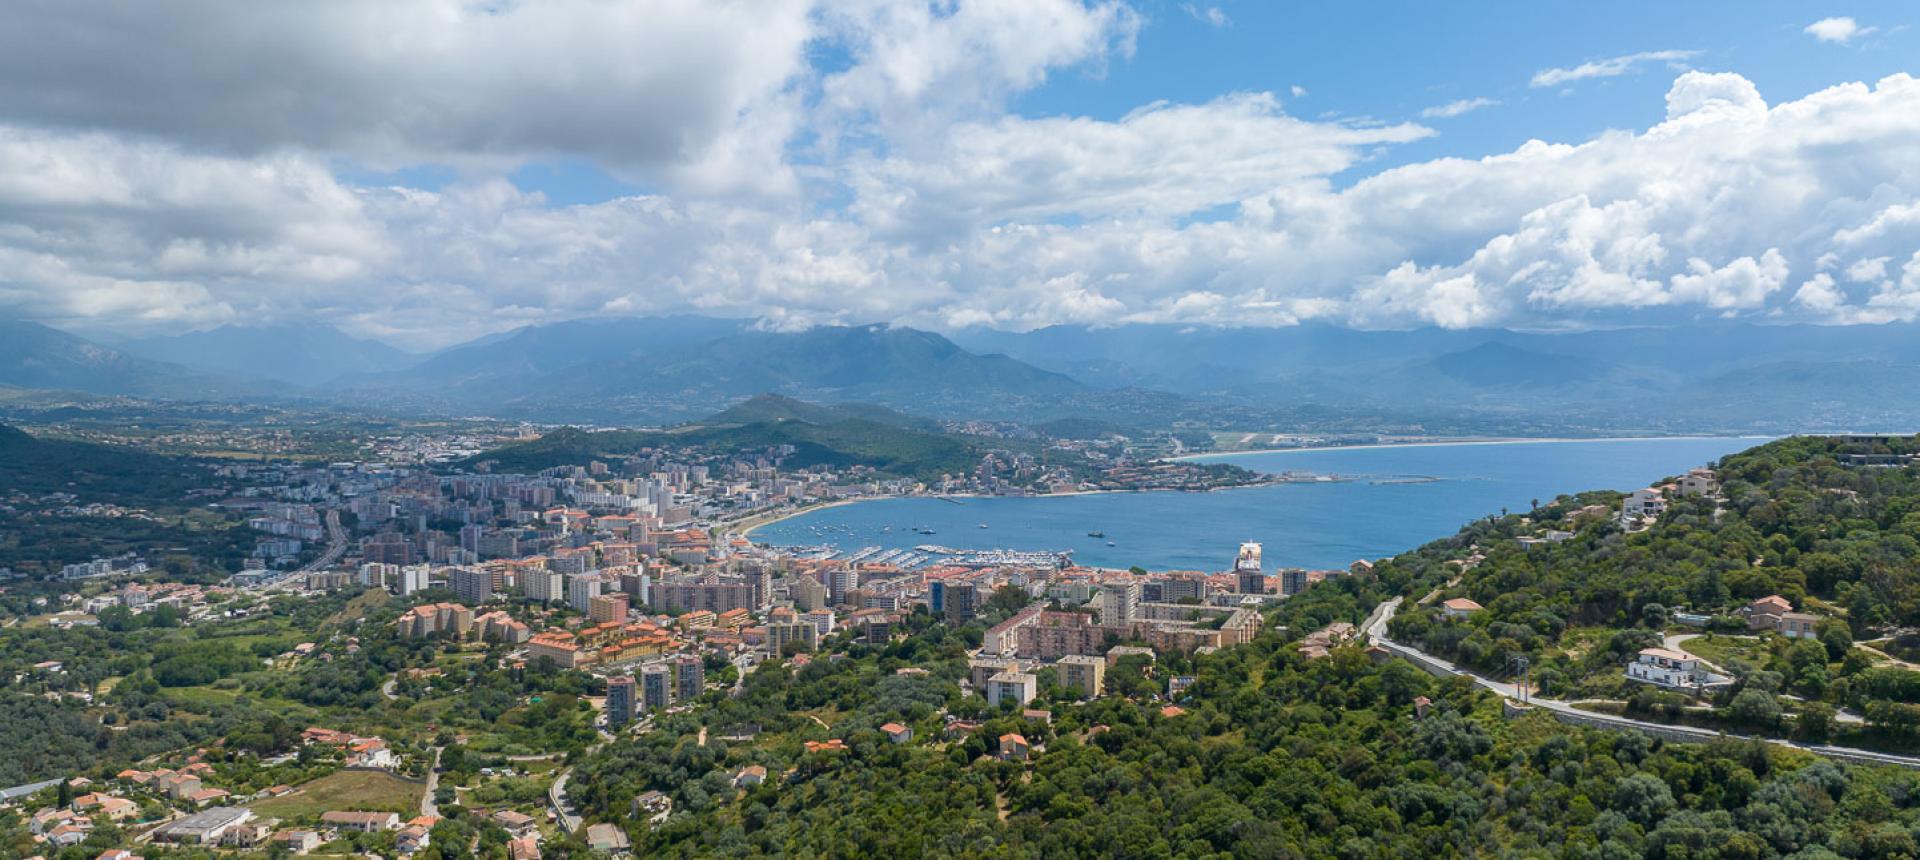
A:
(429, 172)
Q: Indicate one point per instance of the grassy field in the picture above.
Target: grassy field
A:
(1719, 649)
(347, 789)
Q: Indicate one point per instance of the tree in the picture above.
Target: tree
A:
(1755, 708)
(1814, 723)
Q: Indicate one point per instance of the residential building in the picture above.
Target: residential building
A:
(1459, 607)
(581, 590)
(689, 677)
(365, 822)
(471, 586)
(542, 586)
(1053, 635)
(1673, 669)
(1016, 687)
(620, 701)
(1118, 602)
(1082, 672)
(656, 687)
(413, 578)
(960, 601)
(607, 607)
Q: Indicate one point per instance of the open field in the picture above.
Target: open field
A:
(347, 789)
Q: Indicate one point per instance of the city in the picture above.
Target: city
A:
(998, 429)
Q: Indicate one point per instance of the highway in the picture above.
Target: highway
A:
(1375, 629)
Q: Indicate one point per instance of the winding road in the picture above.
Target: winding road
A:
(1375, 629)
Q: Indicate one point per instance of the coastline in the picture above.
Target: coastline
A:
(763, 520)
(1464, 442)
(746, 527)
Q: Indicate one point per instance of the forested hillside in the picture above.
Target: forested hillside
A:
(1829, 524)
(1269, 755)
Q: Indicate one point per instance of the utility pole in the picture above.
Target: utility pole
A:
(1522, 664)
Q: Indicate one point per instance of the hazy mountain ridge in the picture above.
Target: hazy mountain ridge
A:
(1317, 378)
(40, 357)
(299, 354)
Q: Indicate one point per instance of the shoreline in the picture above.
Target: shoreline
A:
(747, 531)
(1464, 442)
(758, 522)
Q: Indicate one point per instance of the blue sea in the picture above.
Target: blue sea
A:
(1399, 498)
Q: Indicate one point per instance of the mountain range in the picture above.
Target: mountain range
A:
(300, 354)
(1714, 377)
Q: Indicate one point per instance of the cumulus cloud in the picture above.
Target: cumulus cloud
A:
(650, 86)
(1610, 67)
(1457, 107)
(1837, 31)
(911, 193)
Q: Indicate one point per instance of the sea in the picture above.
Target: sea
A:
(1386, 499)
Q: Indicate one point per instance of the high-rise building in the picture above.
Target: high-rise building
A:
(471, 586)
(637, 585)
(808, 593)
(412, 579)
(542, 586)
(1119, 603)
(1294, 580)
(581, 590)
(656, 687)
(961, 602)
(378, 575)
(689, 677)
(778, 635)
(841, 581)
(1251, 577)
(620, 701)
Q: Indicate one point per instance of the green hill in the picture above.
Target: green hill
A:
(94, 472)
(895, 450)
(774, 407)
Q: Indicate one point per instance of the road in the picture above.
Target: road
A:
(336, 545)
(427, 806)
(1375, 630)
(562, 808)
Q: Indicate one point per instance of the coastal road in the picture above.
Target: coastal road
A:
(1375, 630)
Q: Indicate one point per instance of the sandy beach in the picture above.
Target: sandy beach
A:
(1443, 443)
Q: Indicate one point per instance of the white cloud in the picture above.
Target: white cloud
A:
(905, 191)
(649, 87)
(1837, 31)
(1211, 16)
(1456, 108)
(1607, 68)
(1163, 159)
(1820, 295)
(1741, 284)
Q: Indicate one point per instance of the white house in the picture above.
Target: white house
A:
(1647, 504)
(1673, 669)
